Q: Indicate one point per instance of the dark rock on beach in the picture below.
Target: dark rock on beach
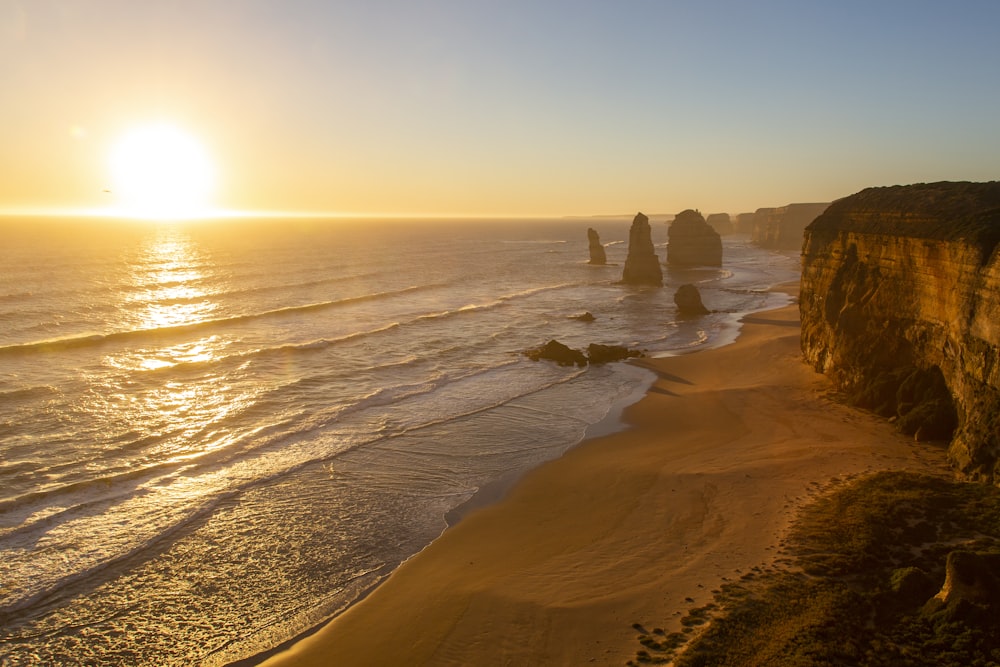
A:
(604, 354)
(559, 353)
(688, 301)
(597, 254)
(642, 266)
(567, 356)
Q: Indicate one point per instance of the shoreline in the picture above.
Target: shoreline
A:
(571, 554)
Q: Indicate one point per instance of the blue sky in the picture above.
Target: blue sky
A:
(510, 107)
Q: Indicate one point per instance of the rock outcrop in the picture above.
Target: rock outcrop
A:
(567, 356)
(688, 301)
(693, 242)
(900, 306)
(721, 223)
(559, 353)
(782, 228)
(597, 254)
(971, 590)
(642, 266)
(605, 354)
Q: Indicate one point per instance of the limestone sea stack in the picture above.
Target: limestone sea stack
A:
(900, 306)
(693, 242)
(597, 254)
(720, 222)
(642, 266)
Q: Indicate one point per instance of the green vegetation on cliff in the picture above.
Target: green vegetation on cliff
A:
(944, 211)
(858, 582)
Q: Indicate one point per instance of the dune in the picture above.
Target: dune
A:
(636, 527)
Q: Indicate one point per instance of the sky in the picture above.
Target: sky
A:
(502, 108)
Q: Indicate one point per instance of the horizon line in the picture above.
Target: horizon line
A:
(228, 214)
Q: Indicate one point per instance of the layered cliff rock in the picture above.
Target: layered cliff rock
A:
(693, 242)
(642, 266)
(743, 223)
(597, 254)
(782, 228)
(900, 305)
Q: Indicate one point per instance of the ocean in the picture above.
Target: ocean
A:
(216, 435)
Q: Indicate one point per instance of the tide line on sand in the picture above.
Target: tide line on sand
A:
(636, 527)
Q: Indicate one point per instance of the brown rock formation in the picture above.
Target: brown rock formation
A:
(688, 301)
(782, 228)
(971, 591)
(567, 356)
(721, 223)
(642, 266)
(597, 254)
(559, 353)
(900, 304)
(693, 242)
(605, 354)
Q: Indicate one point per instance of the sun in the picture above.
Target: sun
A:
(159, 171)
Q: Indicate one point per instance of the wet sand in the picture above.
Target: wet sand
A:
(635, 527)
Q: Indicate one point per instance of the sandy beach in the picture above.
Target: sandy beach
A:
(635, 527)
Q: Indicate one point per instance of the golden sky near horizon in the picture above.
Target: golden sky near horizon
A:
(487, 108)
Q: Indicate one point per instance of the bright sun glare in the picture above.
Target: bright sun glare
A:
(161, 172)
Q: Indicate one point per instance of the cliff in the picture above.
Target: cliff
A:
(900, 305)
(782, 228)
(642, 266)
(693, 242)
(744, 223)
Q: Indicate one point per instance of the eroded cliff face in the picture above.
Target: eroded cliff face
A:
(900, 305)
(781, 228)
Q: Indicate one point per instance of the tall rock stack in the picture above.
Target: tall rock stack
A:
(642, 266)
(597, 254)
(693, 242)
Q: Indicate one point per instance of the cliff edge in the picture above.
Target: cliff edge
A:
(900, 305)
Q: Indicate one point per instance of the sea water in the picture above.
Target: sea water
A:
(215, 435)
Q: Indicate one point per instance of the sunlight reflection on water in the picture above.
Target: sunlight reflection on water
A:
(167, 275)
